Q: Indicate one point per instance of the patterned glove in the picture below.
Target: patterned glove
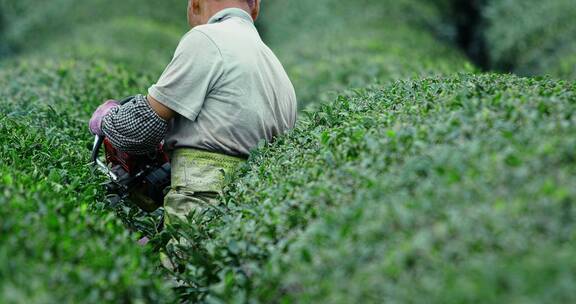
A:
(95, 123)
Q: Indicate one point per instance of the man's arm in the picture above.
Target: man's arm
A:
(136, 127)
(160, 109)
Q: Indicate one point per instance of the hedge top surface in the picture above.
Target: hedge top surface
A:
(35, 103)
(459, 190)
(374, 184)
(424, 189)
(58, 241)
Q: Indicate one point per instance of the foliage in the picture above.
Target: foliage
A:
(532, 37)
(456, 190)
(338, 158)
(436, 189)
(338, 45)
(210, 265)
(58, 241)
(442, 188)
(32, 24)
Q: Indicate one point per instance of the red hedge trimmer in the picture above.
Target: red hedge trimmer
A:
(140, 179)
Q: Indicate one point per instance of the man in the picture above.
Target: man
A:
(223, 92)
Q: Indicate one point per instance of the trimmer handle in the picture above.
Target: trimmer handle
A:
(99, 140)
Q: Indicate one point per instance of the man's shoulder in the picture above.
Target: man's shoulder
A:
(207, 30)
(198, 38)
(228, 34)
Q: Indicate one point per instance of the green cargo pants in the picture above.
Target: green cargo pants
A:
(197, 181)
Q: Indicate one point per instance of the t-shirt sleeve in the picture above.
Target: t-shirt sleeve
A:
(190, 76)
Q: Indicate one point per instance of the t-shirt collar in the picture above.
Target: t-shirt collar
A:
(229, 13)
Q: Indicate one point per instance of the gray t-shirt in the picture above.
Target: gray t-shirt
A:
(227, 87)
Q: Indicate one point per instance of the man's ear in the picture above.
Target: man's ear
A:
(194, 7)
(193, 12)
(255, 10)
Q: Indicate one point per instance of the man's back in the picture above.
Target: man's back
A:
(231, 91)
(223, 92)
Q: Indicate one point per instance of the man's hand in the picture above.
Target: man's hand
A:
(95, 123)
(166, 113)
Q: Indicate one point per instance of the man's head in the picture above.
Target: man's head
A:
(200, 11)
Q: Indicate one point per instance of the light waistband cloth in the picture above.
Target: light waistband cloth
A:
(197, 181)
(201, 171)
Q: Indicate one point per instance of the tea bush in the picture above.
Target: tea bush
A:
(532, 37)
(448, 190)
(230, 250)
(348, 201)
(441, 189)
(58, 241)
(435, 189)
